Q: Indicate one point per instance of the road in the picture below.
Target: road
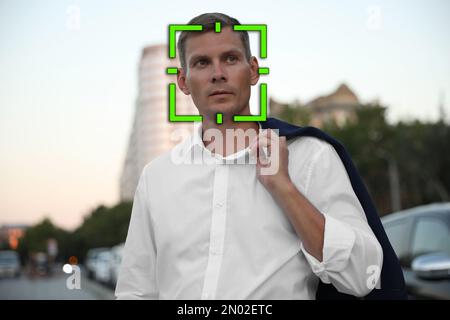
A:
(52, 288)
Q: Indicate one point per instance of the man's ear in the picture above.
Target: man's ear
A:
(181, 79)
(254, 67)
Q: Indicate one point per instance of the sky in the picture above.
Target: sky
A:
(68, 80)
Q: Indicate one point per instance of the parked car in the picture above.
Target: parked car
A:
(9, 264)
(91, 261)
(116, 260)
(102, 268)
(420, 237)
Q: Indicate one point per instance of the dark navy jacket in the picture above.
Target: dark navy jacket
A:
(392, 281)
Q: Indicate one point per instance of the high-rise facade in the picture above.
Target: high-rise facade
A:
(151, 131)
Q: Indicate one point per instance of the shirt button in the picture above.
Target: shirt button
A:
(219, 205)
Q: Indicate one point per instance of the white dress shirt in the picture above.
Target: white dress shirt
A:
(212, 231)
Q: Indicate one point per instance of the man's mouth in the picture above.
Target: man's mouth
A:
(220, 93)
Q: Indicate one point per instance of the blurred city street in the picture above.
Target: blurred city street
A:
(130, 147)
(51, 288)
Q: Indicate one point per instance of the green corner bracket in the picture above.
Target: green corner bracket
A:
(262, 107)
(173, 28)
(262, 29)
(173, 117)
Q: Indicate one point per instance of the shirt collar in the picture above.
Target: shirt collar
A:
(197, 141)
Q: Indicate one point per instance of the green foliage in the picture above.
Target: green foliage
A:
(420, 151)
(104, 227)
(35, 239)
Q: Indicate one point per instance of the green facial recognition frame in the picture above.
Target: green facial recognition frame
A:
(262, 29)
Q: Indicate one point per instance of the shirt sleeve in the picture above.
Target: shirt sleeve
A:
(137, 275)
(352, 256)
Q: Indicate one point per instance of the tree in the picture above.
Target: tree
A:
(36, 237)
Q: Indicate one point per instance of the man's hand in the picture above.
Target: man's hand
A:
(272, 157)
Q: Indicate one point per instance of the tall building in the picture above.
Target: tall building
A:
(151, 131)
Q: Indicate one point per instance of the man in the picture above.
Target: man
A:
(220, 230)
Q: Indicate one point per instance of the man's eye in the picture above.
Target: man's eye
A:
(200, 63)
(231, 59)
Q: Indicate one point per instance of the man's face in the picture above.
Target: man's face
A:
(218, 76)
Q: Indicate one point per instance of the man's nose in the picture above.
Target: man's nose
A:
(218, 73)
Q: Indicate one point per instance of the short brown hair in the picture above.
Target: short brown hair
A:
(208, 21)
